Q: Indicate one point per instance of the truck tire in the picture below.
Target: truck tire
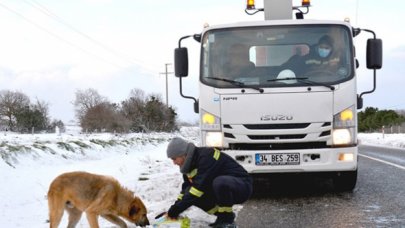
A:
(345, 181)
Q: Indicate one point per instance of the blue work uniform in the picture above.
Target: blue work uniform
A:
(214, 182)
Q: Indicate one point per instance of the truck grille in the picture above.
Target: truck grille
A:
(261, 137)
(277, 136)
(277, 146)
(275, 126)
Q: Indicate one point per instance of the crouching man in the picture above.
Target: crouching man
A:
(213, 181)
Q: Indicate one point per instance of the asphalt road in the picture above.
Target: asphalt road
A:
(378, 199)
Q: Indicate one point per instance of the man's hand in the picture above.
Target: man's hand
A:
(170, 218)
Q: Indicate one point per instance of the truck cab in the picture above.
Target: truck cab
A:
(280, 95)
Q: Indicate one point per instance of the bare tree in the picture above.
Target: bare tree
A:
(137, 113)
(137, 93)
(11, 103)
(85, 100)
(105, 117)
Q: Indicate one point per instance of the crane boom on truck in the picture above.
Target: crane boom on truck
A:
(280, 95)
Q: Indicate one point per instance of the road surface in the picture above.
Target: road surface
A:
(378, 199)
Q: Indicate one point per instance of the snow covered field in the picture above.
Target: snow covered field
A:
(138, 161)
(378, 139)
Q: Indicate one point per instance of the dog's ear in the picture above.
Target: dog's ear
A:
(133, 210)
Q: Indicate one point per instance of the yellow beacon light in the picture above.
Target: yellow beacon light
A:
(250, 4)
(306, 3)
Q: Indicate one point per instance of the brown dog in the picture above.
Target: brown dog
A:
(79, 192)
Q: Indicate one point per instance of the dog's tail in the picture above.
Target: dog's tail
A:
(56, 208)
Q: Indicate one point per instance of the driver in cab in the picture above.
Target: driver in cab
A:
(320, 59)
(239, 64)
(323, 55)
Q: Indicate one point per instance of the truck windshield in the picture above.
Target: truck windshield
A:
(263, 56)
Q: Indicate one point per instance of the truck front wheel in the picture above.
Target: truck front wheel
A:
(345, 181)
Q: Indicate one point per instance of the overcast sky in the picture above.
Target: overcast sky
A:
(49, 49)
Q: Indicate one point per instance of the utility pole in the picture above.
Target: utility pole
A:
(167, 89)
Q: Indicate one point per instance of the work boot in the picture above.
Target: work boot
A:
(223, 218)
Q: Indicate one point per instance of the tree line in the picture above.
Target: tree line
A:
(372, 119)
(18, 113)
(138, 113)
(94, 112)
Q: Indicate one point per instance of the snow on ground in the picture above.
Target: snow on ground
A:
(29, 163)
(379, 139)
(138, 161)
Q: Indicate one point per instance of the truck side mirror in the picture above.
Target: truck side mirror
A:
(374, 54)
(181, 62)
(359, 102)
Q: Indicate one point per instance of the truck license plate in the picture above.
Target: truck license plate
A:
(278, 159)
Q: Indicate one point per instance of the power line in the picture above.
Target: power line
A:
(55, 17)
(57, 36)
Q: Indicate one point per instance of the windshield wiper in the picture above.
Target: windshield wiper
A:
(303, 80)
(239, 84)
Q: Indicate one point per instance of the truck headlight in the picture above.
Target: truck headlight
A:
(211, 129)
(344, 124)
(213, 139)
(341, 136)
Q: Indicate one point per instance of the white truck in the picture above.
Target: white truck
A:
(267, 100)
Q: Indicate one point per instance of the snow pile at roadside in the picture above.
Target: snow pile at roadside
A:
(379, 139)
(15, 148)
(138, 161)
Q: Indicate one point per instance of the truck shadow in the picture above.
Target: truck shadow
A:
(291, 186)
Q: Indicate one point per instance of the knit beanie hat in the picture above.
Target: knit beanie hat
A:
(178, 147)
(326, 40)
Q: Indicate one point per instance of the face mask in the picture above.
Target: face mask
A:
(323, 52)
